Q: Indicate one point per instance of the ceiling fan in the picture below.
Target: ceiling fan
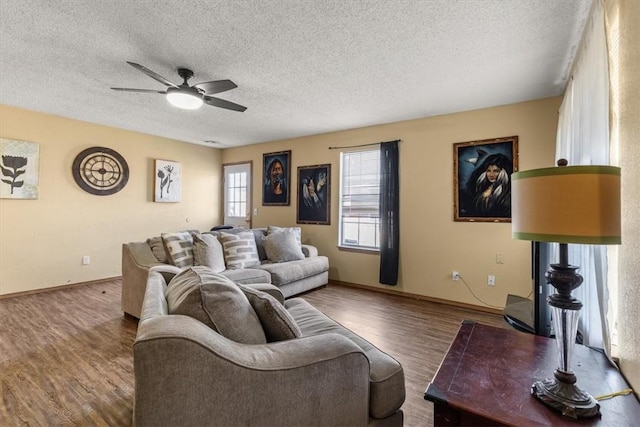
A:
(185, 96)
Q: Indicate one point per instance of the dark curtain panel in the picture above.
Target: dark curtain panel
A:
(389, 213)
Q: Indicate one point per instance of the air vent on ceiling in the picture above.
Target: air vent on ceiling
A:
(213, 143)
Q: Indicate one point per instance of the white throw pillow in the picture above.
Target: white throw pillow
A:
(282, 246)
(240, 250)
(296, 230)
(207, 251)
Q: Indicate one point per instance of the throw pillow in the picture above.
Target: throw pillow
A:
(258, 234)
(157, 247)
(282, 247)
(207, 251)
(239, 250)
(276, 321)
(179, 247)
(217, 302)
(296, 230)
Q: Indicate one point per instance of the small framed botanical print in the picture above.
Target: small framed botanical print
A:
(168, 181)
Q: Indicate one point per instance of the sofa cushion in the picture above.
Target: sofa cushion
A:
(386, 377)
(247, 276)
(277, 323)
(259, 233)
(282, 246)
(291, 271)
(207, 251)
(217, 302)
(239, 250)
(179, 248)
(157, 247)
(296, 230)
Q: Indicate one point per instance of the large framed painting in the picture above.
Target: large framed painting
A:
(19, 162)
(482, 179)
(168, 181)
(276, 170)
(314, 194)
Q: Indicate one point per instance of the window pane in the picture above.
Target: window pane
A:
(237, 194)
(359, 198)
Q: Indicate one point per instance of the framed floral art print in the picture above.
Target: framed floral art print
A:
(168, 181)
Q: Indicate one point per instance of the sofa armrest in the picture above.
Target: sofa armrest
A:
(167, 271)
(187, 374)
(154, 302)
(137, 259)
(309, 251)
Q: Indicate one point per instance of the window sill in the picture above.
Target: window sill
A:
(373, 251)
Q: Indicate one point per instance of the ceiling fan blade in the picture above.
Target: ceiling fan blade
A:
(217, 102)
(151, 74)
(126, 89)
(216, 86)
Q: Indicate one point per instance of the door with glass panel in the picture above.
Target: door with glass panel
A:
(237, 195)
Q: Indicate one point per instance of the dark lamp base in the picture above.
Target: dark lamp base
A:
(566, 398)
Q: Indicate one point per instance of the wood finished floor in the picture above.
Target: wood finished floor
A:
(66, 357)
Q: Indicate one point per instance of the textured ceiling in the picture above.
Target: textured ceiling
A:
(302, 67)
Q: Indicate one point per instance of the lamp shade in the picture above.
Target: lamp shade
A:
(567, 204)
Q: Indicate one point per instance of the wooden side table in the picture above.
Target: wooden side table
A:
(486, 376)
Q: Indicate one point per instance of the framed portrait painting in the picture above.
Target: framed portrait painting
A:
(314, 194)
(482, 179)
(276, 172)
(168, 181)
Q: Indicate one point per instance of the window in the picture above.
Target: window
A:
(360, 199)
(613, 45)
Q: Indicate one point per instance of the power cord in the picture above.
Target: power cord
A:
(617, 393)
(602, 397)
(475, 296)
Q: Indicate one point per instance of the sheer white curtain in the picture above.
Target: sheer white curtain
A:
(583, 139)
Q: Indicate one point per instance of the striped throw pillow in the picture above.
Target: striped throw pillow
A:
(179, 247)
(240, 250)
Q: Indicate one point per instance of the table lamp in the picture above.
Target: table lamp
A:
(566, 204)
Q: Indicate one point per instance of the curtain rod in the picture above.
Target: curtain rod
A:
(364, 145)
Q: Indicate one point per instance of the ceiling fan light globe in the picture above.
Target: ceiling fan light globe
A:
(184, 100)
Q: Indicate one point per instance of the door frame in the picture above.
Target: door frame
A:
(249, 196)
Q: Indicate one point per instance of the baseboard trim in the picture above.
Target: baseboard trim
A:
(57, 288)
(331, 282)
(419, 297)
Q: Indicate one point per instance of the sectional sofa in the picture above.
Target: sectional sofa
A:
(292, 277)
(210, 352)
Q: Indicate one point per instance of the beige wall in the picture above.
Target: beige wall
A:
(432, 244)
(43, 241)
(629, 126)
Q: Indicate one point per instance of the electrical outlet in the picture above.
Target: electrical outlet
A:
(86, 260)
(499, 258)
(455, 275)
(491, 280)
